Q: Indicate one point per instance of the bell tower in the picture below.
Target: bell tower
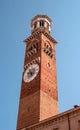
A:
(39, 96)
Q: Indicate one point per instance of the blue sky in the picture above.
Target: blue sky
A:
(15, 16)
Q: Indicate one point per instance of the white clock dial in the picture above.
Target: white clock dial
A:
(31, 72)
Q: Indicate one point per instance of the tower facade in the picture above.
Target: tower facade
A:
(39, 96)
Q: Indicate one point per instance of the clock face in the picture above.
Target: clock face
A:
(31, 72)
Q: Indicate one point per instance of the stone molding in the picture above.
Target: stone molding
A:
(39, 32)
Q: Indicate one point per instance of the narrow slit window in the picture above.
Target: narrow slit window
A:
(55, 129)
(79, 123)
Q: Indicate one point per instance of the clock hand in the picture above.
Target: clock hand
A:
(31, 72)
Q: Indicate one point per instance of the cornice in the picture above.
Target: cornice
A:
(40, 32)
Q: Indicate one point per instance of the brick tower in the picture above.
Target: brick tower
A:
(39, 96)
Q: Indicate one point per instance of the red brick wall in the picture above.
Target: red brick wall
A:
(39, 98)
(48, 83)
(29, 110)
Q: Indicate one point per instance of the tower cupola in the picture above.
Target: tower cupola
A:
(41, 22)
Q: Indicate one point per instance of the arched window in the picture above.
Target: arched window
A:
(47, 25)
(41, 23)
(35, 25)
(48, 50)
